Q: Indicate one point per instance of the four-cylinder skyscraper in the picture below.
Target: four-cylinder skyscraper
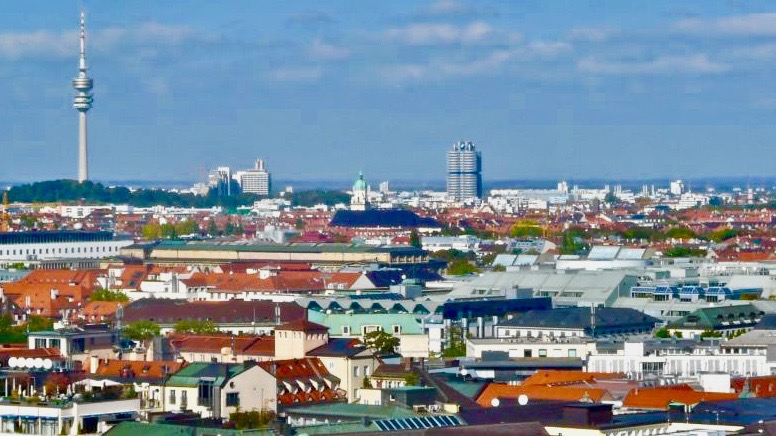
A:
(82, 102)
(464, 172)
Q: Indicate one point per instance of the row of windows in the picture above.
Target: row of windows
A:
(43, 251)
(572, 352)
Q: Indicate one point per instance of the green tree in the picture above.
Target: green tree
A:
(141, 330)
(186, 227)
(168, 231)
(461, 267)
(722, 235)
(526, 229)
(457, 345)
(37, 323)
(382, 342)
(611, 198)
(411, 378)
(663, 333)
(679, 251)
(152, 231)
(680, 233)
(415, 239)
(195, 326)
(212, 228)
(108, 295)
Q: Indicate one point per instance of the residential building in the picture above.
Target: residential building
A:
(464, 172)
(346, 359)
(214, 390)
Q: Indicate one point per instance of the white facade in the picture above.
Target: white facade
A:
(62, 250)
(255, 181)
(519, 348)
(635, 361)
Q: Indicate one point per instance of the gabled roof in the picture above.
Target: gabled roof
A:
(171, 311)
(220, 373)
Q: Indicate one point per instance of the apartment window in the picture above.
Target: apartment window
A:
(346, 330)
(172, 396)
(355, 371)
(367, 371)
(184, 398)
(233, 399)
(542, 352)
(205, 393)
(396, 329)
(572, 352)
(527, 353)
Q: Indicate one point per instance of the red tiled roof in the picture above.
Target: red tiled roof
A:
(302, 325)
(245, 345)
(659, 398)
(538, 392)
(552, 378)
(134, 368)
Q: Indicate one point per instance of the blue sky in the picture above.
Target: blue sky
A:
(320, 90)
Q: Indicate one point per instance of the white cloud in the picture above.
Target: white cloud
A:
(591, 34)
(690, 64)
(549, 49)
(758, 24)
(296, 74)
(325, 51)
(65, 44)
(447, 7)
(439, 33)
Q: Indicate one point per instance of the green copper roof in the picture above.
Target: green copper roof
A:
(335, 322)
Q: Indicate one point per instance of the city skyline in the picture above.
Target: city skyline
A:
(550, 91)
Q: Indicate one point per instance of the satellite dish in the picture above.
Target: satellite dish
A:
(29, 362)
(37, 363)
(522, 399)
(495, 402)
(12, 362)
(464, 372)
(47, 364)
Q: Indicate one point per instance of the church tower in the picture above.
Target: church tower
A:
(358, 200)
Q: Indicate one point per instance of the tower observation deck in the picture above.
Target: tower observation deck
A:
(82, 102)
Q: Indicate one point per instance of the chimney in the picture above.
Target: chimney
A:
(94, 362)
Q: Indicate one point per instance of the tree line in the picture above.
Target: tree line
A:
(64, 191)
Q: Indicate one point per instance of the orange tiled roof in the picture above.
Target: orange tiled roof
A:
(661, 397)
(539, 392)
(253, 345)
(552, 378)
(134, 368)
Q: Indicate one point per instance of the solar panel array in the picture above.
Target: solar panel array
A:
(418, 423)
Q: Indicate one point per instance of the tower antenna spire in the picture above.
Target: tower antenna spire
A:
(82, 102)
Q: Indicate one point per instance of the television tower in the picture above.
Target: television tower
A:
(82, 102)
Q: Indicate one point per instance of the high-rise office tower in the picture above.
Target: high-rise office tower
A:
(220, 180)
(464, 172)
(82, 102)
(257, 180)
